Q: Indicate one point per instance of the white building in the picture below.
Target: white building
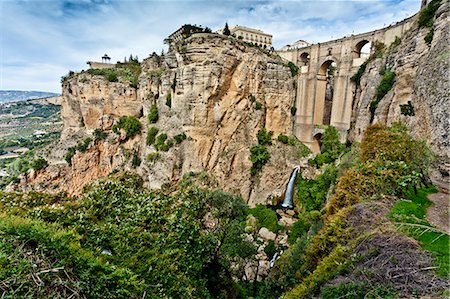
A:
(253, 36)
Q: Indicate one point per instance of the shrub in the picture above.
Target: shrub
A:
(99, 134)
(252, 98)
(136, 161)
(426, 15)
(259, 155)
(112, 77)
(386, 83)
(407, 109)
(429, 37)
(270, 249)
(69, 155)
(258, 105)
(331, 148)
(39, 164)
(180, 138)
(151, 135)
(265, 217)
(84, 145)
(264, 137)
(161, 139)
(283, 139)
(153, 114)
(356, 78)
(130, 124)
(298, 229)
(293, 110)
(294, 69)
(153, 156)
(169, 100)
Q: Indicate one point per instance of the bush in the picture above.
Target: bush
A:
(151, 135)
(265, 218)
(294, 69)
(153, 114)
(258, 105)
(39, 164)
(69, 155)
(252, 98)
(429, 37)
(426, 15)
(112, 77)
(293, 110)
(169, 100)
(407, 109)
(331, 148)
(298, 229)
(283, 139)
(99, 134)
(161, 139)
(259, 155)
(180, 138)
(84, 145)
(270, 249)
(153, 156)
(386, 83)
(264, 137)
(130, 124)
(356, 78)
(136, 161)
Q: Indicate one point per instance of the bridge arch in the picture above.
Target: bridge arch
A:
(304, 58)
(324, 91)
(362, 47)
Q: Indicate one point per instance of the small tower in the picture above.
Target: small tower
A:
(106, 58)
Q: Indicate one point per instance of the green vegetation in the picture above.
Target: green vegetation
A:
(84, 145)
(151, 135)
(258, 105)
(293, 110)
(169, 100)
(426, 16)
(100, 135)
(39, 163)
(252, 98)
(123, 72)
(259, 155)
(136, 161)
(410, 216)
(69, 155)
(180, 138)
(331, 148)
(386, 83)
(358, 290)
(163, 143)
(264, 137)
(130, 124)
(265, 217)
(407, 109)
(313, 193)
(356, 78)
(283, 138)
(429, 37)
(121, 241)
(153, 114)
(294, 69)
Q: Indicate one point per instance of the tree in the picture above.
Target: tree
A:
(226, 30)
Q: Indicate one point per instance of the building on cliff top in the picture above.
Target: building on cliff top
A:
(105, 64)
(250, 35)
(184, 32)
(297, 45)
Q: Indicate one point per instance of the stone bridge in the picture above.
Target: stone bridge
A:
(315, 106)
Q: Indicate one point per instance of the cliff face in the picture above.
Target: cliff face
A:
(211, 84)
(422, 77)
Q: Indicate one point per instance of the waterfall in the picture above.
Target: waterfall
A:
(289, 197)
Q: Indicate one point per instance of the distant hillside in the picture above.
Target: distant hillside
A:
(20, 95)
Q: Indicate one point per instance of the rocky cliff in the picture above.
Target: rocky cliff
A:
(216, 90)
(421, 83)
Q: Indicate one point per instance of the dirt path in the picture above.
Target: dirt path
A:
(438, 212)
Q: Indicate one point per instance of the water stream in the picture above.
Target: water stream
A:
(289, 195)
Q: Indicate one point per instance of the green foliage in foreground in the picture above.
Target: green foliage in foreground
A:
(119, 240)
(410, 214)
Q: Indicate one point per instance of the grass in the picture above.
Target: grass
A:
(410, 215)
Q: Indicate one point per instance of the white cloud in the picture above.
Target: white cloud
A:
(42, 40)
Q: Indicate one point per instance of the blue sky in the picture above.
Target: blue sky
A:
(42, 40)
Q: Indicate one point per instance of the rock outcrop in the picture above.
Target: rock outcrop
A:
(208, 88)
(422, 78)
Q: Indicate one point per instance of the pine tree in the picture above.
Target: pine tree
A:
(226, 30)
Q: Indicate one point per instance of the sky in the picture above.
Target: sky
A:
(42, 40)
